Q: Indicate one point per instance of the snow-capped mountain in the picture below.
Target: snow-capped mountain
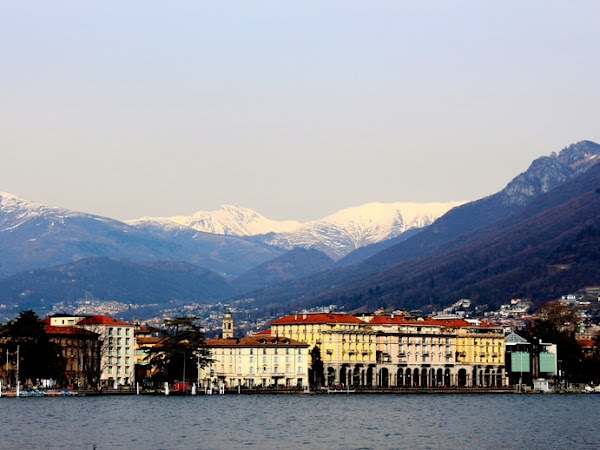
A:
(33, 235)
(335, 235)
(16, 211)
(226, 220)
(352, 228)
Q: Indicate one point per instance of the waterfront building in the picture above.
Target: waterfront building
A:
(399, 350)
(414, 352)
(118, 348)
(480, 351)
(345, 344)
(259, 360)
(81, 351)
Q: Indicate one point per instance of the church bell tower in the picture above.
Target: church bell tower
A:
(227, 325)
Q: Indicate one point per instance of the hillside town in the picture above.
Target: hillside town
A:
(315, 350)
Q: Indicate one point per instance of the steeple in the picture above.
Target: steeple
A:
(227, 325)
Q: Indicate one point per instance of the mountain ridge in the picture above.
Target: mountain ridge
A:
(336, 234)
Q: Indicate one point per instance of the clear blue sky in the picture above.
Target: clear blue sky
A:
(292, 108)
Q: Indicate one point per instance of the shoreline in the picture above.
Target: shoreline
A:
(267, 391)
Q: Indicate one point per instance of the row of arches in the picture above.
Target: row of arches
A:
(413, 377)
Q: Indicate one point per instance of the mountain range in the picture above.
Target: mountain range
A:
(336, 235)
(459, 256)
(393, 255)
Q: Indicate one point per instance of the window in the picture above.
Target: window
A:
(110, 370)
(252, 351)
(127, 360)
(287, 369)
(252, 359)
(264, 359)
(251, 369)
(110, 331)
(118, 341)
(110, 340)
(126, 341)
(287, 351)
(264, 369)
(299, 369)
(264, 351)
(276, 369)
(126, 369)
(126, 331)
(118, 332)
(299, 358)
(118, 370)
(275, 359)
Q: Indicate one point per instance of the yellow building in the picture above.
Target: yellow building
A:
(345, 344)
(414, 352)
(479, 352)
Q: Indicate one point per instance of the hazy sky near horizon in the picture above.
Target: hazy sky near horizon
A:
(295, 109)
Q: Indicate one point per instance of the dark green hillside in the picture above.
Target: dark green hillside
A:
(548, 248)
(113, 279)
(296, 263)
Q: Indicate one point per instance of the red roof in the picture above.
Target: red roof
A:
(317, 318)
(67, 330)
(148, 340)
(263, 332)
(255, 341)
(384, 320)
(586, 342)
(454, 322)
(102, 320)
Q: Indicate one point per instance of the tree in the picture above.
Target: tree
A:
(38, 357)
(316, 371)
(180, 351)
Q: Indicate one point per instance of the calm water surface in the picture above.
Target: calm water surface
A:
(302, 421)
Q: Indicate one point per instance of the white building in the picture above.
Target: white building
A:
(259, 360)
(118, 348)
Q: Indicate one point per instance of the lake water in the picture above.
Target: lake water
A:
(502, 421)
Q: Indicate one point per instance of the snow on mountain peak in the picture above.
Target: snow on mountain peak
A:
(225, 220)
(18, 210)
(336, 234)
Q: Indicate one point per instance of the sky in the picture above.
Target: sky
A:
(295, 109)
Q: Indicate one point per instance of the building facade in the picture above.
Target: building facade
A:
(117, 364)
(259, 360)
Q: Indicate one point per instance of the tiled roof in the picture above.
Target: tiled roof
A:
(254, 341)
(102, 320)
(67, 330)
(317, 318)
(455, 323)
(148, 340)
(263, 332)
(397, 320)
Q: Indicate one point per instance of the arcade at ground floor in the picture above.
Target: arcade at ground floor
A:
(369, 375)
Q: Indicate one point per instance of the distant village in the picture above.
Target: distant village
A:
(459, 347)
